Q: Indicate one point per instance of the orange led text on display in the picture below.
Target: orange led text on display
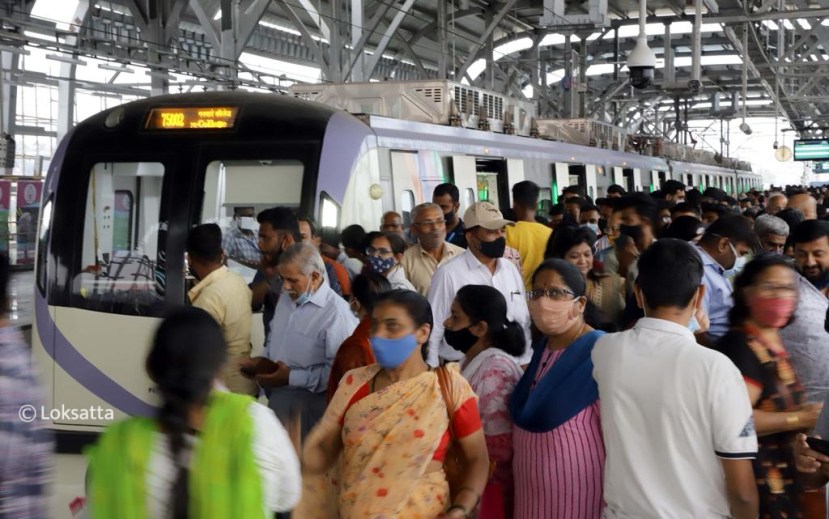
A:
(196, 118)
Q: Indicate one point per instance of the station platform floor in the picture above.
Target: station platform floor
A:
(21, 297)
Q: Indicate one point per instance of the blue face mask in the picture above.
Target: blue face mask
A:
(380, 265)
(391, 353)
(305, 296)
(693, 324)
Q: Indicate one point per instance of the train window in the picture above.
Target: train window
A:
(488, 188)
(122, 253)
(235, 191)
(122, 220)
(545, 196)
(407, 203)
(468, 197)
(43, 244)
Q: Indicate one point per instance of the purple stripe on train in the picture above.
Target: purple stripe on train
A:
(81, 370)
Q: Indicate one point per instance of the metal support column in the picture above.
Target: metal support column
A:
(443, 39)
(358, 71)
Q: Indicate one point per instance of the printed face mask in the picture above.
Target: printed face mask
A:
(380, 265)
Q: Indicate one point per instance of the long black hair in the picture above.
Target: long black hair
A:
(415, 305)
(741, 310)
(187, 353)
(485, 303)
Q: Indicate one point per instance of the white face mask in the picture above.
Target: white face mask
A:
(592, 226)
(248, 223)
(739, 262)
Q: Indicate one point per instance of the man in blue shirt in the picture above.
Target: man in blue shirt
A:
(310, 323)
(723, 248)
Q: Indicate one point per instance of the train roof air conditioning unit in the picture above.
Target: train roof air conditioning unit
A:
(585, 132)
(428, 101)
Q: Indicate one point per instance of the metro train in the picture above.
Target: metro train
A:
(125, 186)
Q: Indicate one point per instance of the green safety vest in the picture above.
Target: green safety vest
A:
(224, 480)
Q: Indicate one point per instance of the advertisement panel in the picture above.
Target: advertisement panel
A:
(28, 212)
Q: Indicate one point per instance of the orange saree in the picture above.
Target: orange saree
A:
(389, 439)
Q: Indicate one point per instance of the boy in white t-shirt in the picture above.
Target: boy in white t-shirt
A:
(676, 418)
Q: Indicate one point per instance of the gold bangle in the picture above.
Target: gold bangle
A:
(792, 419)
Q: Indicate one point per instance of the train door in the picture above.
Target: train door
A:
(653, 181)
(515, 174)
(662, 177)
(493, 183)
(591, 181)
(405, 174)
(577, 176)
(561, 179)
(618, 176)
(629, 182)
(465, 177)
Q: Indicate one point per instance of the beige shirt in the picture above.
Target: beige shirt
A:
(420, 266)
(225, 296)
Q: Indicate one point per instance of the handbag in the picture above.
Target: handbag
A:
(454, 463)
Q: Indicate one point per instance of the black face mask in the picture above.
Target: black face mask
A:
(461, 340)
(449, 217)
(493, 249)
(634, 231)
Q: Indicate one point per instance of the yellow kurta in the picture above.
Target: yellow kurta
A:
(225, 296)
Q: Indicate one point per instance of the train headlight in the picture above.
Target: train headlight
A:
(376, 191)
(114, 118)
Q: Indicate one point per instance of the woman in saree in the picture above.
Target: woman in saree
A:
(390, 424)
(558, 458)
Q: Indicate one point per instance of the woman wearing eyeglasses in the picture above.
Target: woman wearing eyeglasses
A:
(558, 461)
(765, 299)
(384, 252)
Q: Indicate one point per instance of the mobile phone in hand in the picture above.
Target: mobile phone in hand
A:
(816, 444)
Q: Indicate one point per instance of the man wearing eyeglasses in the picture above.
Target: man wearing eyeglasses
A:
(481, 264)
(431, 251)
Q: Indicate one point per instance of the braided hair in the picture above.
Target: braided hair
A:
(187, 352)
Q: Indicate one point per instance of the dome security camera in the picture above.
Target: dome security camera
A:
(641, 64)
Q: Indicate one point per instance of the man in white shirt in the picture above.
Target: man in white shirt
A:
(481, 264)
(676, 419)
(310, 323)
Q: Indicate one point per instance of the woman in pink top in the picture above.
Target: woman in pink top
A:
(478, 327)
(559, 454)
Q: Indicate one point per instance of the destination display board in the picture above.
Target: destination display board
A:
(811, 149)
(192, 118)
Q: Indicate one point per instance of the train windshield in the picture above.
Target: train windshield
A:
(235, 191)
(122, 248)
(123, 267)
